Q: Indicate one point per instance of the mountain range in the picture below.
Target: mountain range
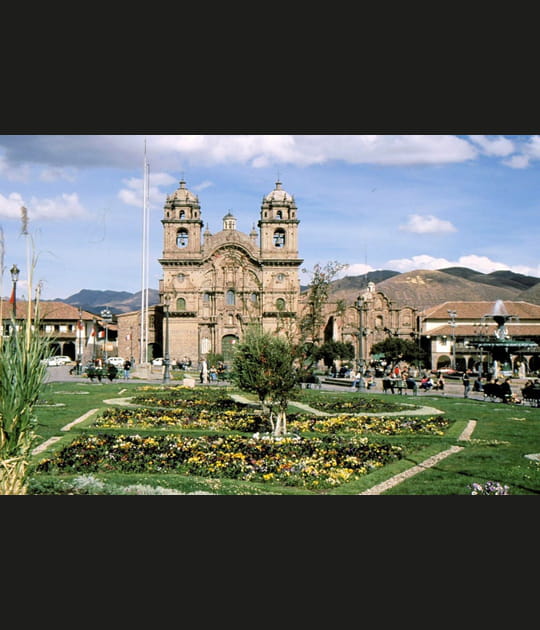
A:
(419, 289)
(116, 301)
(423, 289)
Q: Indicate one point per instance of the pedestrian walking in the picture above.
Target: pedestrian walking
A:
(466, 384)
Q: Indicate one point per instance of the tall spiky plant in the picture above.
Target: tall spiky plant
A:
(22, 374)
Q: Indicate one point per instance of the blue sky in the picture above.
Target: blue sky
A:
(400, 202)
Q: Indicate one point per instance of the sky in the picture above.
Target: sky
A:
(370, 202)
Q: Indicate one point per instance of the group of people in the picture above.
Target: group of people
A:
(212, 374)
(110, 371)
(363, 381)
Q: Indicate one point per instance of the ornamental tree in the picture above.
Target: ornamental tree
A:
(264, 364)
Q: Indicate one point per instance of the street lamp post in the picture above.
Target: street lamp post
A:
(360, 305)
(107, 318)
(452, 323)
(166, 361)
(14, 277)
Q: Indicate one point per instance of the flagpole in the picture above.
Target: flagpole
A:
(144, 269)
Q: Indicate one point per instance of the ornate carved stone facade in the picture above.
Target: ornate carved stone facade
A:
(214, 284)
(372, 318)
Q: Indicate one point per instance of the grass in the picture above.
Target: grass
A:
(504, 434)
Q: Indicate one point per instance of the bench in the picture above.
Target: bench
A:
(531, 395)
(493, 391)
(390, 384)
(311, 382)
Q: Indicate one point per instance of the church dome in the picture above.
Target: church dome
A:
(183, 194)
(278, 194)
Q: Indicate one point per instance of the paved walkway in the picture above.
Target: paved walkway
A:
(423, 410)
(427, 463)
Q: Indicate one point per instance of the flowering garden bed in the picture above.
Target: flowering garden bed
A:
(320, 452)
(309, 462)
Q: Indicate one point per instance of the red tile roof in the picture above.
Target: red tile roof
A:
(477, 310)
(47, 311)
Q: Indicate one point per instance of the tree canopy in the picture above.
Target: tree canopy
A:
(264, 364)
(396, 349)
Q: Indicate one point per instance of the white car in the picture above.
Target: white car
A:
(116, 361)
(158, 361)
(58, 360)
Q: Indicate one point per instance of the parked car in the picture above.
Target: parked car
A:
(57, 360)
(158, 361)
(116, 361)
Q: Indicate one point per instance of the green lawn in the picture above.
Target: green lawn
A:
(504, 434)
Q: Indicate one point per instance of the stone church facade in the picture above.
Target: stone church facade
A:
(213, 285)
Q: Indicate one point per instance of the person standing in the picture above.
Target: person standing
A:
(204, 372)
(466, 384)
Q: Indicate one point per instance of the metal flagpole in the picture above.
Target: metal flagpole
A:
(144, 269)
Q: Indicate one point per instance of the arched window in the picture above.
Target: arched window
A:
(181, 214)
(230, 297)
(279, 215)
(254, 298)
(279, 238)
(182, 238)
(206, 297)
(280, 304)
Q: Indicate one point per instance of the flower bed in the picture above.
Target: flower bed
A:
(208, 418)
(182, 396)
(249, 421)
(348, 403)
(389, 425)
(306, 462)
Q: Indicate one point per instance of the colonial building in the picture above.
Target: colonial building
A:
(73, 332)
(372, 318)
(457, 334)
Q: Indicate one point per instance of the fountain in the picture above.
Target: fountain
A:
(501, 346)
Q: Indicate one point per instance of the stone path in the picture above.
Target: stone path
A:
(427, 463)
(45, 445)
(424, 410)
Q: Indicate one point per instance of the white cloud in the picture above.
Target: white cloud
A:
(261, 150)
(10, 207)
(54, 174)
(65, 206)
(498, 146)
(133, 194)
(203, 186)
(358, 269)
(167, 152)
(483, 264)
(14, 173)
(517, 161)
(422, 261)
(427, 224)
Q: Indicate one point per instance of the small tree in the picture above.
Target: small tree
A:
(312, 321)
(263, 364)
